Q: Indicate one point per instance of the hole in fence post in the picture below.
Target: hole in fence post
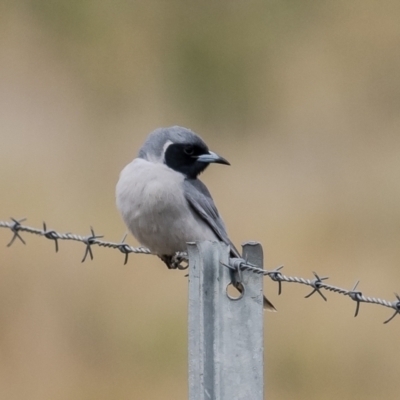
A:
(235, 293)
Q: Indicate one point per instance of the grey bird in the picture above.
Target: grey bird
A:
(161, 199)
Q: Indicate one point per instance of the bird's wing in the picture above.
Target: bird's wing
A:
(201, 202)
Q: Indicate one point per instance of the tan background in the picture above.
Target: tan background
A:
(301, 97)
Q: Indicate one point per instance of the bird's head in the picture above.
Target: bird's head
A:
(180, 149)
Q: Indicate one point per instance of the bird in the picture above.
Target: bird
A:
(162, 201)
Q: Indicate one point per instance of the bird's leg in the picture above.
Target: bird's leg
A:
(168, 261)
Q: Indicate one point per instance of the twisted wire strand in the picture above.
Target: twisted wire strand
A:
(16, 226)
(180, 261)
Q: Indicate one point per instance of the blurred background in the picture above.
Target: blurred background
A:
(303, 99)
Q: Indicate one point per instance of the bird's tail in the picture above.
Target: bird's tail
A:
(268, 305)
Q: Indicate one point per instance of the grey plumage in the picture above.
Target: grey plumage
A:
(161, 200)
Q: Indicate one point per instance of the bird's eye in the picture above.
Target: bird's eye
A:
(189, 150)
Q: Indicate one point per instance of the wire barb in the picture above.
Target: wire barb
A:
(356, 296)
(124, 248)
(90, 240)
(276, 276)
(238, 265)
(15, 228)
(180, 261)
(317, 284)
(396, 306)
(50, 234)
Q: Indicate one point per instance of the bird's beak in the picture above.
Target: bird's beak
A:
(212, 157)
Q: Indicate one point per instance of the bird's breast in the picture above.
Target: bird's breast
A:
(152, 203)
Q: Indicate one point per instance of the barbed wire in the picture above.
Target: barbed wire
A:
(180, 261)
(89, 240)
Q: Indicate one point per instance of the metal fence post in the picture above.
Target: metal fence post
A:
(225, 336)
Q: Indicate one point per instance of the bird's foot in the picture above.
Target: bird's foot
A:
(177, 261)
